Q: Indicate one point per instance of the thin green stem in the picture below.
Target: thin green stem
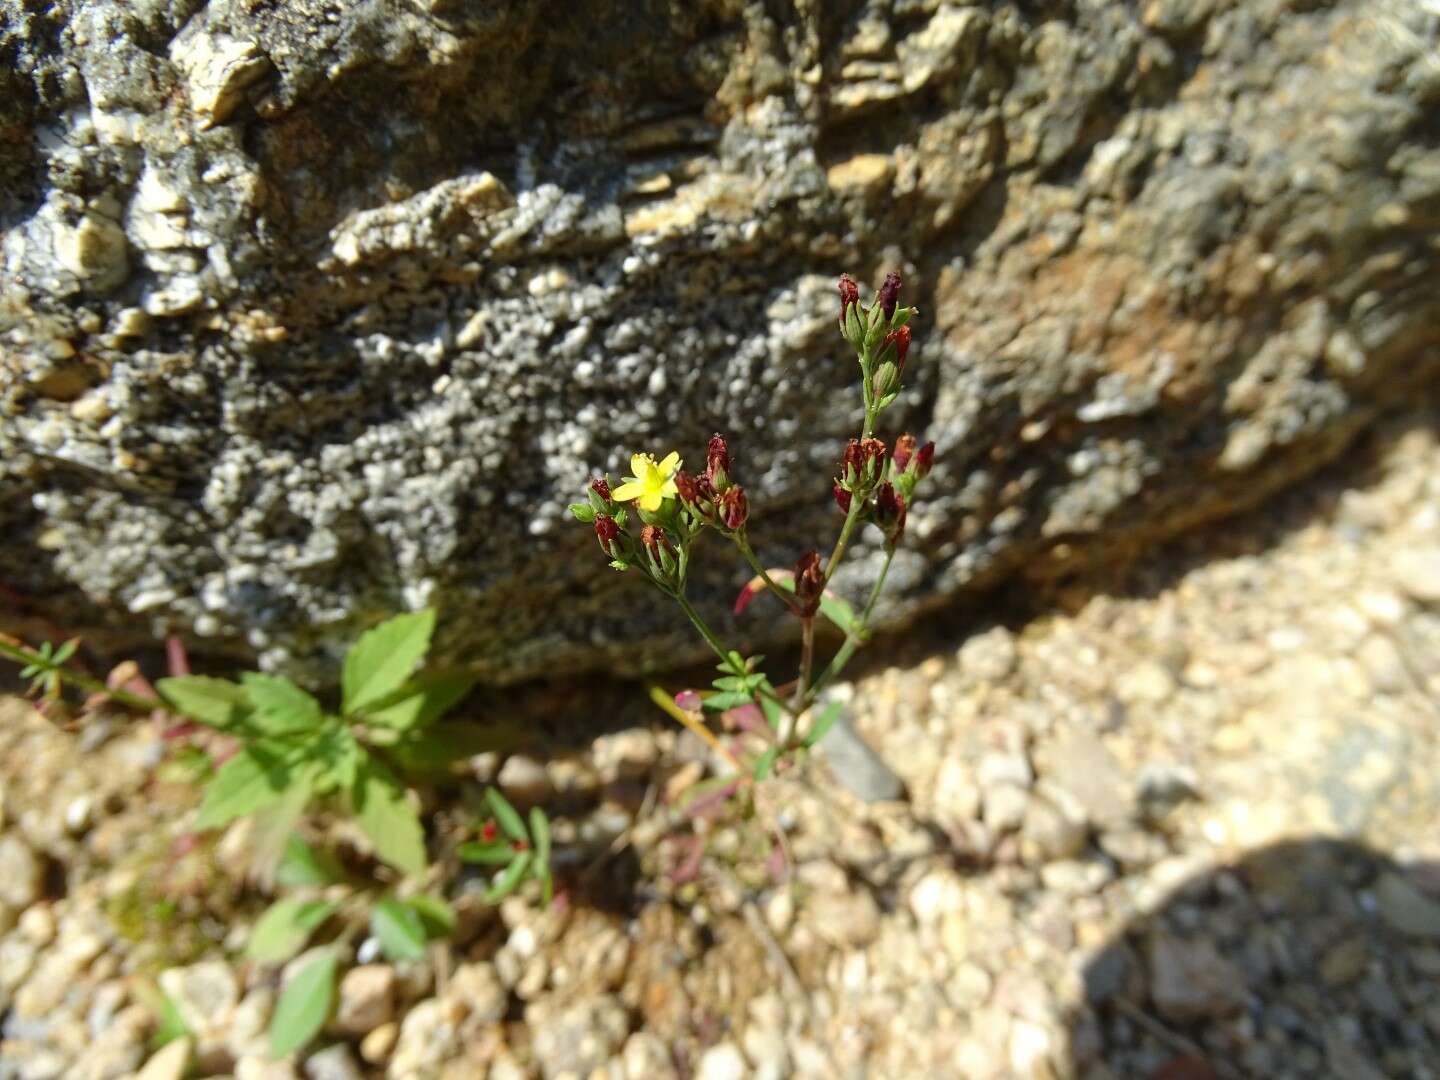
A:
(807, 660)
(719, 647)
(21, 654)
(852, 640)
(742, 541)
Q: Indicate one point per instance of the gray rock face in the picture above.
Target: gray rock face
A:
(312, 312)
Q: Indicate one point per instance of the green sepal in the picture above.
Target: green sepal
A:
(583, 512)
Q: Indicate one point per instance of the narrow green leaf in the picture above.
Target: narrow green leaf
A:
(387, 818)
(169, 1023)
(250, 781)
(438, 916)
(285, 927)
(384, 657)
(217, 703)
(304, 1005)
(765, 762)
(420, 701)
(495, 853)
(65, 651)
(540, 830)
(773, 712)
(303, 865)
(722, 701)
(399, 929)
(506, 815)
(823, 723)
(281, 707)
(509, 878)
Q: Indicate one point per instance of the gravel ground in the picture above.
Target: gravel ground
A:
(1180, 825)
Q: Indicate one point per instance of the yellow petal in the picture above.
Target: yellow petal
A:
(626, 492)
(651, 501)
(668, 489)
(671, 463)
(638, 462)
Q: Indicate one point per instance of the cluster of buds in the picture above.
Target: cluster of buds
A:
(711, 497)
(883, 483)
(879, 336)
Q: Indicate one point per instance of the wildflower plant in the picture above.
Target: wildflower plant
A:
(653, 521)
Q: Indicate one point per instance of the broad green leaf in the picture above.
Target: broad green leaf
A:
(303, 865)
(421, 701)
(765, 762)
(281, 707)
(509, 878)
(387, 818)
(540, 830)
(506, 815)
(823, 723)
(384, 657)
(339, 756)
(253, 779)
(495, 853)
(217, 703)
(438, 916)
(285, 927)
(399, 929)
(727, 700)
(304, 1005)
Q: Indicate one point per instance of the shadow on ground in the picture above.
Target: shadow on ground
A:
(1304, 959)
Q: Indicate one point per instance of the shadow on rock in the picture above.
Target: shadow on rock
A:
(1305, 959)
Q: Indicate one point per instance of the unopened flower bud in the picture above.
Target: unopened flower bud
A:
(686, 487)
(608, 533)
(600, 487)
(717, 463)
(925, 460)
(734, 507)
(900, 338)
(809, 583)
(889, 294)
(890, 512)
(903, 452)
(842, 498)
(849, 294)
(659, 548)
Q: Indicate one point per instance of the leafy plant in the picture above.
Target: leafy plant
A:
(522, 852)
(292, 751)
(673, 509)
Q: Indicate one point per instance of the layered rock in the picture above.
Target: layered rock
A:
(312, 312)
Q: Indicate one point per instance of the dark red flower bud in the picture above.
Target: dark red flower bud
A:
(734, 507)
(686, 487)
(717, 463)
(809, 583)
(900, 338)
(849, 294)
(842, 498)
(889, 295)
(488, 831)
(601, 488)
(861, 463)
(925, 460)
(903, 452)
(608, 533)
(890, 512)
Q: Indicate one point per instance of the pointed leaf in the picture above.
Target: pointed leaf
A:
(509, 878)
(765, 762)
(303, 865)
(722, 701)
(281, 707)
(495, 853)
(385, 815)
(250, 781)
(506, 815)
(438, 916)
(304, 1005)
(286, 925)
(421, 701)
(399, 930)
(217, 703)
(540, 830)
(384, 657)
(275, 824)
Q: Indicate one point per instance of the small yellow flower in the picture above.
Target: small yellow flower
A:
(652, 484)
